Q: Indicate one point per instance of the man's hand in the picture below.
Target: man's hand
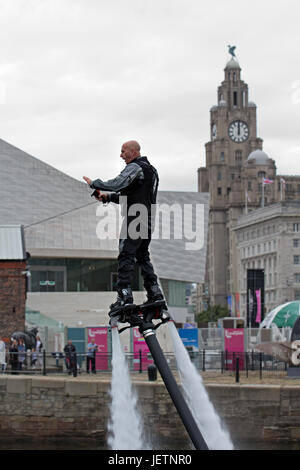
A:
(100, 196)
(87, 180)
(97, 194)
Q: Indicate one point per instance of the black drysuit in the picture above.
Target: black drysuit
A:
(138, 182)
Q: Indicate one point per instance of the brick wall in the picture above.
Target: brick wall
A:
(12, 297)
(66, 407)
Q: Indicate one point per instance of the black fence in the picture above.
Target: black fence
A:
(212, 362)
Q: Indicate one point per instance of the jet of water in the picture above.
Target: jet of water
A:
(197, 398)
(125, 426)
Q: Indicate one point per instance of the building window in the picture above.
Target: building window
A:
(296, 243)
(239, 157)
(296, 259)
(244, 98)
(235, 98)
(297, 277)
(297, 294)
(219, 175)
(295, 227)
(222, 156)
(219, 191)
(249, 186)
(75, 275)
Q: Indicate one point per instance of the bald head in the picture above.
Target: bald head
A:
(130, 150)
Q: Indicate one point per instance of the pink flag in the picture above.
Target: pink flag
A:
(258, 310)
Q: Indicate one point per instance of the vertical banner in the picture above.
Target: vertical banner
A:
(139, 344)
(251, 306)
(237, 304)
(258, 308)
(100, 335)
(229, 303)
(255, 297)
(234, 343)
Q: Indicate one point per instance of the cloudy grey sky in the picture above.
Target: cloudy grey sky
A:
(80, 77)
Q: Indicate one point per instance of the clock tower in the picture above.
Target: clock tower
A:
(233, 130)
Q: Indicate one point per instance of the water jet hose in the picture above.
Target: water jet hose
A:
(172, 387)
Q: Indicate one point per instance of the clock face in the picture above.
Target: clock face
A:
(238, 131)
(214, 131)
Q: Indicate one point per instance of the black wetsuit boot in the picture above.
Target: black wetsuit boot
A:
(124, 298)
(154, 293)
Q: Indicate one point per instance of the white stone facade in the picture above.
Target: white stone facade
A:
(269, 239)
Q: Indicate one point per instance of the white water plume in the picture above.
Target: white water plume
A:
(125, 425)
(197, 398)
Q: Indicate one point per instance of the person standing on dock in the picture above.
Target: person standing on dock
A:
(92, 348)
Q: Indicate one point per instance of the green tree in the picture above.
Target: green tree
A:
(212, 314)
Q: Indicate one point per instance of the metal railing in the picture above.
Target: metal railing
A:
(214, 362)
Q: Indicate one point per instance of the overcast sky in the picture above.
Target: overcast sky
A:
(80, 77)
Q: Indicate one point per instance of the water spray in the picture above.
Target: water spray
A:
(173, 389)
(142, 316)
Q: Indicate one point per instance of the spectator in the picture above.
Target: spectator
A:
(71, 358)
(2, 355)
(33, 358)
(92, 348)
(21, 354)
(38, 348)
(13, 353)
(28, 359)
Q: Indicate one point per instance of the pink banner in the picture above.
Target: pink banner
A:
(258, 310)
(234, 343)
(100, 335)
(139, 344)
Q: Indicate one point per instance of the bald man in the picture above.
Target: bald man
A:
(139, 182)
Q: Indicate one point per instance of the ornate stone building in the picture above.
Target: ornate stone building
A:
(233, 175)
(268, 239)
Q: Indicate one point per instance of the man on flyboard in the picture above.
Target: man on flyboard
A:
(139, 183)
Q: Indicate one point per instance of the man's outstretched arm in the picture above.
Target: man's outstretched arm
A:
(122, 181)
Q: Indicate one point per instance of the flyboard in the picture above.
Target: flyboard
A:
(142, 316)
